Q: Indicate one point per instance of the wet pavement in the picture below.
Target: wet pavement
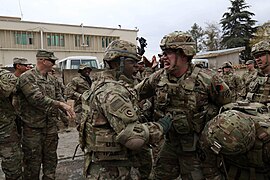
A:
(67, 169)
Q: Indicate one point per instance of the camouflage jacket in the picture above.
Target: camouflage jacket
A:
(109, 111)
(259, 88)
(235, 84)
(191, 99)
(7, 112)
(249, 76)
(74, 89)
(36, 94)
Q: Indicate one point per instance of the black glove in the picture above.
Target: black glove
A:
(166, 123)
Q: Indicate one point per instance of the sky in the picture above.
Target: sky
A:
(153, 18)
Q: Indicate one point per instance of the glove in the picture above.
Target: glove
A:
(166, 123)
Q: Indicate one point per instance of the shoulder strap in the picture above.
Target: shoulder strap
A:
(190, 82)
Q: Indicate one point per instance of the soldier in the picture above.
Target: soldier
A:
(234, 82)
(188, 94)
(111, 130)
(40, 98)
(219, 71)
(250, 74)
(20, 65)
(258, 90)
(76, 87)
(236, 143)
(10, 147)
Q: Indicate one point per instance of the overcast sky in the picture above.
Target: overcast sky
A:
(153, 18)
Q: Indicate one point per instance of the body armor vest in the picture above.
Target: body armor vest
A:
(98, 135)
(180, 101)
(259, 90)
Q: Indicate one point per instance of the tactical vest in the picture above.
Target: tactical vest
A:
(259, 90)
(178, 100)
(96, 132)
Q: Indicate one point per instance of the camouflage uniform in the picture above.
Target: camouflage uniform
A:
(259, 88)
(249, 75)
(236, 143)
(75, 89)
(110, 130)
(10, 147)
(190, 100)
(234, 82)
(38, 97)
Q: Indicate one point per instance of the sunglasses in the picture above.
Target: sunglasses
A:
(51, 60)
(25, 65)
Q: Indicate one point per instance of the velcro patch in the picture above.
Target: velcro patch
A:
(117, 104)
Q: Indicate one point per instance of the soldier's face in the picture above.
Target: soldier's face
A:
(173, 61)
(49, 64)
(169, 59)
(130, 68)
(250, 66)
(261, 60)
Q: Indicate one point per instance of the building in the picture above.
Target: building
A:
(217, 58)
(24, 38)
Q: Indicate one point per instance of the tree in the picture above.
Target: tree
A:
(197, 33)
(237, 26)
(262, 33)
(212, 37)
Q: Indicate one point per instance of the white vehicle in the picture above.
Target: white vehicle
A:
(202, 62)
(73, 62)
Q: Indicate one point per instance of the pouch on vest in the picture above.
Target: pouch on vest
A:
(162, 94)
(189, 142)
(181, 124)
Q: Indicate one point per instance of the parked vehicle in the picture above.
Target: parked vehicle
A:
(73, 62)
(201, 62)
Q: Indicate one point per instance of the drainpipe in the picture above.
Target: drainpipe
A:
(41, 38)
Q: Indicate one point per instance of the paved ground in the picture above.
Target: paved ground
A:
(67, 169)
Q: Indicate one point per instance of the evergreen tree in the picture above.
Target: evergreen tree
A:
(237, 26)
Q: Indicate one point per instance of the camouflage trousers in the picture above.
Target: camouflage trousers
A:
(101, 172)
(173, 162)
(142, 161)
(11, 155)
(39, 147)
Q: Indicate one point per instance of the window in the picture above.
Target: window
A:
(55, 40)
(91, 63)
(75, 64)
(77, 41)
(87, 40)
(24, 38)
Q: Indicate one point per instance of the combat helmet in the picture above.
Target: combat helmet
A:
(262, 46)
(231, 132)
(83, 66)
(227, 64)
(121, 48)
(179, 40)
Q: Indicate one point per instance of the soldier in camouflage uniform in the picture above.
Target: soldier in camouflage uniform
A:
(250, 74)
(234, 82)
(40, 98)
(259, 88)
(236, 143)
(111, 130)
(10, 147)
(76, 87)
(188, 94)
